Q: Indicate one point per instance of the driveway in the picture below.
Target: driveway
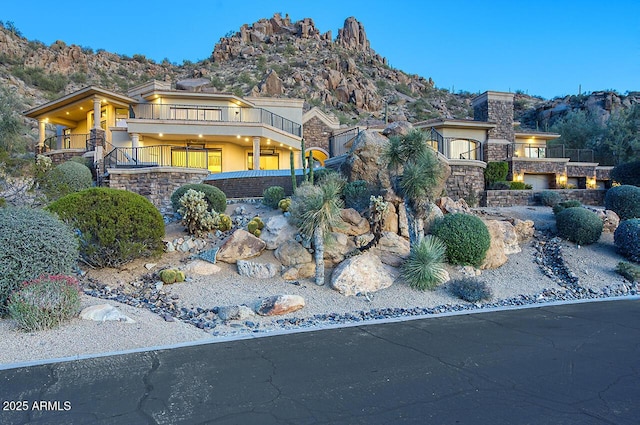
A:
(567, 364)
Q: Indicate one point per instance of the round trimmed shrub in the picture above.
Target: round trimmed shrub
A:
(627, 173)
(627, 238)
(216, 199)
(65, 178)
(424, 268)
(45, 302)
(272, 196)
(32, 243)
(466, 237)
(579, 225)
(549, 198)
(561, 206)
(114, 226)
(623, 200)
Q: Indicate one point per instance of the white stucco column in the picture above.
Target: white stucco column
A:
(256, 153)
(96, 112)
(42, 133)
(135, 140)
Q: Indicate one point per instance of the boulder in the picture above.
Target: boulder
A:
(504, 240)
(392, 249)
(360, 274)
(291, 253)
(280, 304)
(337, 246)
(449, 206)
(299, 271)
(256, 270)
(354, 223)
(201, 267)
(390, 219)
(524, 229)
(277, 229)
(193, 84)
(403, 221)
(398, 128)
(365, 162)
(104, 312)
(272, 85)
(235, 312)
(240, 245)
(433, 213)
(610, 219)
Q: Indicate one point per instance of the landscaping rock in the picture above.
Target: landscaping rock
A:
(392, 249)
(433, 213)
(524, 229)
(104, 312)
(610, 219)
(398, 128)
(361, 274)
(277, 230)
(337, 247)
(449, 206)
(299, 271)
(256, 270)
(201, 267)
(403, 221)
(390, 219)
(280, 304)
(235, 312)
(292, 253)
(496, 255)
(240, 245)
(354, 223)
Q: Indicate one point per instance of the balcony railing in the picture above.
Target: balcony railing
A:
(455, 147)
(338, 141)
(66, 141)
(526, 150)
(152, 111)
(157, 156)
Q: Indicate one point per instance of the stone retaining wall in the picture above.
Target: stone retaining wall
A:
(507, 198)
(466, 180)
(63, 155)
(156, 183)
(250, 187)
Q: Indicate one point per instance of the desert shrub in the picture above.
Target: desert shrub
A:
(627, 238)
(32, 243)
(195, 213)
(216, 199)
(627, 173)
(45, 302)
(579, 225)
(356, 195)
(519, 186)
(624, 201)
(561, 206)
(424, 268)
(496, 171)
(66, 178)
(272, 195)
(549, 198)
(114, 226)
(466, 237)
(469, 289)
(321, 173)
(81, 160)
(499, 185)
(629, 271)
(284, 204)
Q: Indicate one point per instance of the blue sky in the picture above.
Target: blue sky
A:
(544, 47)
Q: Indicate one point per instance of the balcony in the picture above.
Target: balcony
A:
(527, 150)
(212, 114)
(66, 141)
(157, 156)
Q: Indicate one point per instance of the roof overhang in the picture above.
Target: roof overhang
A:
(76, 98)
(469, 124)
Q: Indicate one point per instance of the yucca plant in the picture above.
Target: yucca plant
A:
(424, 268)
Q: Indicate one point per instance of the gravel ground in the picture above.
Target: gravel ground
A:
(520, 281)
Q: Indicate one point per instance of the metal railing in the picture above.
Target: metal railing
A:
(455, 147)
(157, 156)
(66, 141)
(338, 141)
(527, 150)
(152, 111)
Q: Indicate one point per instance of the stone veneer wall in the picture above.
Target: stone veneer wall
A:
(507, 198)
(495, 151)
(156, 183)
(549, 167)
(583, 170)
(497, 108)
(60, 156)
(316, 134)
(466, 180)
(252, 187)
(603, 173)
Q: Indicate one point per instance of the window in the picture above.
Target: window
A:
(463, 149)
(214, 160)
(189, 157)
(195, 114)
(535, 152)
(268, 161)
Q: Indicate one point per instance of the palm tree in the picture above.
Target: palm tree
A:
(315, 210)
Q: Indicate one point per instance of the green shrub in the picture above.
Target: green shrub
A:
(496, 171)
(627, 173)
(629, 271)
(45, 302)
(114, 226)
(195, 213)
(466, 237)
(32, 243)
(499, 185)
(321, 173)
(356, 195)
(624, 201)
(424, 268)
(469, 289)
(67, 178)
(519, 186)
(272, 195)
(216, 199)
(579, 225)
(549, 198)
(561, 206)
(627, 238)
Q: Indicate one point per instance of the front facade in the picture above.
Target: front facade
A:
(155, 125)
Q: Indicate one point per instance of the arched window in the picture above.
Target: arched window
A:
(463, 149)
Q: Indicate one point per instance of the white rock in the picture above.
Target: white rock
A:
(104, 312)
(201, 267)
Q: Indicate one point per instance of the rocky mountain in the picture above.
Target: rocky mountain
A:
(271, 57)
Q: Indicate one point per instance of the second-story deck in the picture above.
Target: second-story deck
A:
(540, 151)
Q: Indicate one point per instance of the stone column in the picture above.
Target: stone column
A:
(42, 133)
(96, 112)
(256, 153)
(135, 140)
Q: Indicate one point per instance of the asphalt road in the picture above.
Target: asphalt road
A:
(569, 364)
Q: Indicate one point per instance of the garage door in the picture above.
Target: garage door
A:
(538, 181)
